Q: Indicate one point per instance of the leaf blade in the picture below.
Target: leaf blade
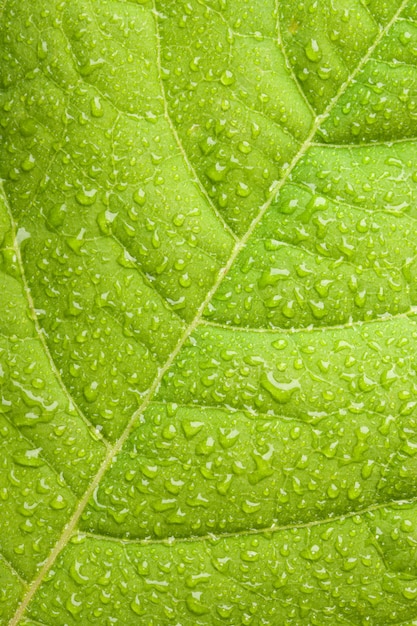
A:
(181, 322)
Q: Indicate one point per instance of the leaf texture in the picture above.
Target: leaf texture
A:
(208, 328)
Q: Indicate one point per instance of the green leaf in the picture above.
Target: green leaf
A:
(208, 327)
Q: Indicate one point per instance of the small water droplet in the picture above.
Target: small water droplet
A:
(216, 172)
(28, 163)
(73, 604)
(96, 107)
(91, 391)
(191, 428)
(139, 196)
(354, 491)
(86, 197)
(227, 78)
(313, 51)
(194, 604)
(29, 458)
(58, 503)
(243, 190)
(281, 391)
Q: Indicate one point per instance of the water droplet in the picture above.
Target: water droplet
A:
(366, 384)
(227, 78)
(288, 310)
(136, 606)
(221, 564)
(28, 163)
(96, 107)
(139, 197)
(56, 215)
(244, 147)
(312, 553)
(77, 575)
(282, 392)
(86, 197)
(272, 276)
(355, 491)
(191, 428)
(367, 468)
(318, 310)
(250, 507)
(105, 220)
(224, 485)
(405, 37)
(29, 458)
(313, 51)
(333, 491)
(194, 604)
(243, 190)
(91, 391)
(58, 503)
(125, 259)
(317, 203)
(264, 467)
(207, 145)
(42, 50)
(228, 438)
(249, 556)
(73, 604)
(216, 172)
(197, 579)
(225, 610)
(410, 593)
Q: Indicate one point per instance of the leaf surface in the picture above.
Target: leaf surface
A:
(208, 325)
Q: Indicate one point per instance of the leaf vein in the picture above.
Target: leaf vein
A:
(387, 318)
(41, 335)
(271, 530)
(178, 141)
(290, 69)
(386, 143)
(13, 570)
